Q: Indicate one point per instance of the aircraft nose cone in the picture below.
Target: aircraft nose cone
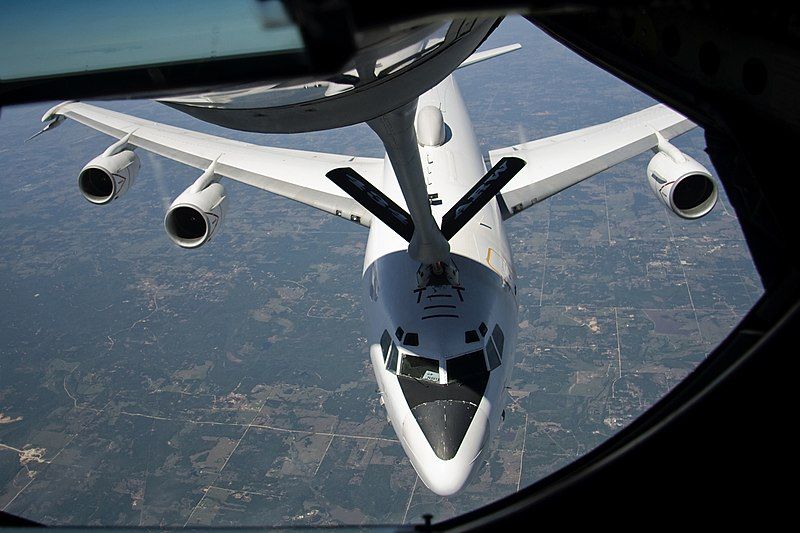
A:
(444, 423)
(456, 432)
(446, 479)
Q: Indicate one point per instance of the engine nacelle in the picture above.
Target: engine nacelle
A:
(107, 177)
(681, 183)
(197, 213)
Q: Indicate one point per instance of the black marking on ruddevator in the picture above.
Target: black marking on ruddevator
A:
(373, 200)
(479, 195)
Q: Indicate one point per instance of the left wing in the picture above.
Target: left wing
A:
(558, 162)
(477, 57)
(295, 174)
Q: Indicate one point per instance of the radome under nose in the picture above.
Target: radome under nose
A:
(444, 423)
(456, 430)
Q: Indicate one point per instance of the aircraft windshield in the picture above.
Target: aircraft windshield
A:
(420, 368)
(466, 366)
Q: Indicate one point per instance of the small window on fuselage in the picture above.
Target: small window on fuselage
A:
(386, 341)
(466, 366)
(391, 362)
(420, 368)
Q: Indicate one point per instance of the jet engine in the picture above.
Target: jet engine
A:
(680, 182)
(197, 213)
(109, 175)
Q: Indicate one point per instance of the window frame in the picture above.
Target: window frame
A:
(411, 339)
(498, 331)
(396, 354)
(386, 339)
(463, 355)
(403, 357)
(490, 345)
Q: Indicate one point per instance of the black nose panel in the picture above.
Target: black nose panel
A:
(444, 423)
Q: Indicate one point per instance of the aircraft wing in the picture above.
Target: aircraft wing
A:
(556, 163)
(295, 174)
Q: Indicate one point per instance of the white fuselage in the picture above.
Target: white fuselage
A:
(444, 415)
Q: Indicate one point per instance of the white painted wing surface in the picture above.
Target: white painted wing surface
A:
(558, 162)
(477, 57)
(295, 174)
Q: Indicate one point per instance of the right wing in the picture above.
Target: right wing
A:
(294, 174)
(558, 162)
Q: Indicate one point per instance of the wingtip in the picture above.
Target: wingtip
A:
(52, 119)
(50, 114)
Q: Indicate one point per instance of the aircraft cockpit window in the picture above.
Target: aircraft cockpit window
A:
(471, 336)
(491, 354)
(411, 339)
(391, 362)
(499, 339)
(420, 368)
(399, 334)
(386, 341)
(466, 366)
(483, 329)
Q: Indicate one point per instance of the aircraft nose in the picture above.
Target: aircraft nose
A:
(455, 432)
(444, 423)
(446, 478)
